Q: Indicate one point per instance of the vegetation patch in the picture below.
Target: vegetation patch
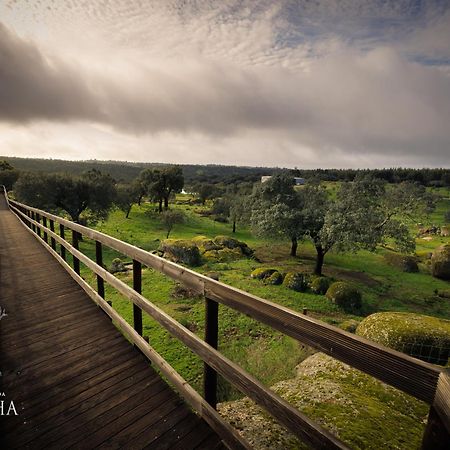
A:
(406, 263)
(296, 281)
(359, 409)
(345, 295)
(261, 273)
(320, 285)
(424, 337)
(276, 278)
(440, 262)
(181, 251)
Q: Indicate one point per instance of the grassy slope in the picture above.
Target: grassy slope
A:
(265, 353)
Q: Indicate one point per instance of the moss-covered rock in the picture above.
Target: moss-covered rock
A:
(440, 262)
(117, 265)
(262, 272)
(320, 285)
(205, 244)
(345, 295)
(229, 242)
(296, 281)
(181, 251)
(276, 278)
(349, 325)
(424, 337)
(356, 407)
(223, 255)
(406, 263)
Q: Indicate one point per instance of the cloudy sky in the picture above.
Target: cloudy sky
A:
(306, 83)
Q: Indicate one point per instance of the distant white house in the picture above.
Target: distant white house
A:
(297, 180)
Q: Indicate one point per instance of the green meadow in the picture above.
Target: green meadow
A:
(265, 353)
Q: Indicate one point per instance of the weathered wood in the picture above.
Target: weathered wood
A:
(44, 222)
(137, 286)
(99, 261)
(52, 239)
(81, 373)
(75, 260)
(437, 432)
(211, 338)
(62, 248)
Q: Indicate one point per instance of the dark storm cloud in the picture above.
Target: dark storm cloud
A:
(373, 103)
(33, 86)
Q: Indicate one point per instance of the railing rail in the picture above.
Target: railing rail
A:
(417, 378)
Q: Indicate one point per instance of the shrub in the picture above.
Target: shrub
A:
(320, 285)
(345, 296)
(275, 279)
(183, 251)
(296, 281)
(406, 263)
(440, 262)
(261, 273)
(424, 337)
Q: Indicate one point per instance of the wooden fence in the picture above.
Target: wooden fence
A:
(417, 378)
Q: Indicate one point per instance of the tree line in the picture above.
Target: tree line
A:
(359, 214)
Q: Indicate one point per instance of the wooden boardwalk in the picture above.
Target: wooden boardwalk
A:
(75, 380)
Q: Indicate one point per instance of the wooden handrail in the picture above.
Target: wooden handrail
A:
(408, 374)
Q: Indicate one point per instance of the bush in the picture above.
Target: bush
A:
(440, 262)
(261, 273)
(320, 285)
(424, 337)
(276, 278)
(406, 263)
(345, 296)
(183, 251)
(296, 281)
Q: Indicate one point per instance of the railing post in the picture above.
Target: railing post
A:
(99, 261)
(44, 222)
(437, 432)
(76, 261)
(52, 239)
(137, 286)
(63, 249)
(38, 220)
(211, 338)
(33, 217)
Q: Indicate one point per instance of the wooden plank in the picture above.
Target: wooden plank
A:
(99, 420)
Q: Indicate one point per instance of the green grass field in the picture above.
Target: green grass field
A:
(265, 353)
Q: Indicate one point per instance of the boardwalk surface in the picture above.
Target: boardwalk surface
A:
(74, 379)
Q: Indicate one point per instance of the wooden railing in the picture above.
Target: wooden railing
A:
(420, 379)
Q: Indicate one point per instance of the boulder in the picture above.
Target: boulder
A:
(362, 411)
(440, 262)
(424, 337)
(406, 263)
(345, 295)
(181, 251)
(117, 265)
(261, 273)
(276, 278)
(296, 281)
(320, 285)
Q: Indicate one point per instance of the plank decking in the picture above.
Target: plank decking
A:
(75, 381)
